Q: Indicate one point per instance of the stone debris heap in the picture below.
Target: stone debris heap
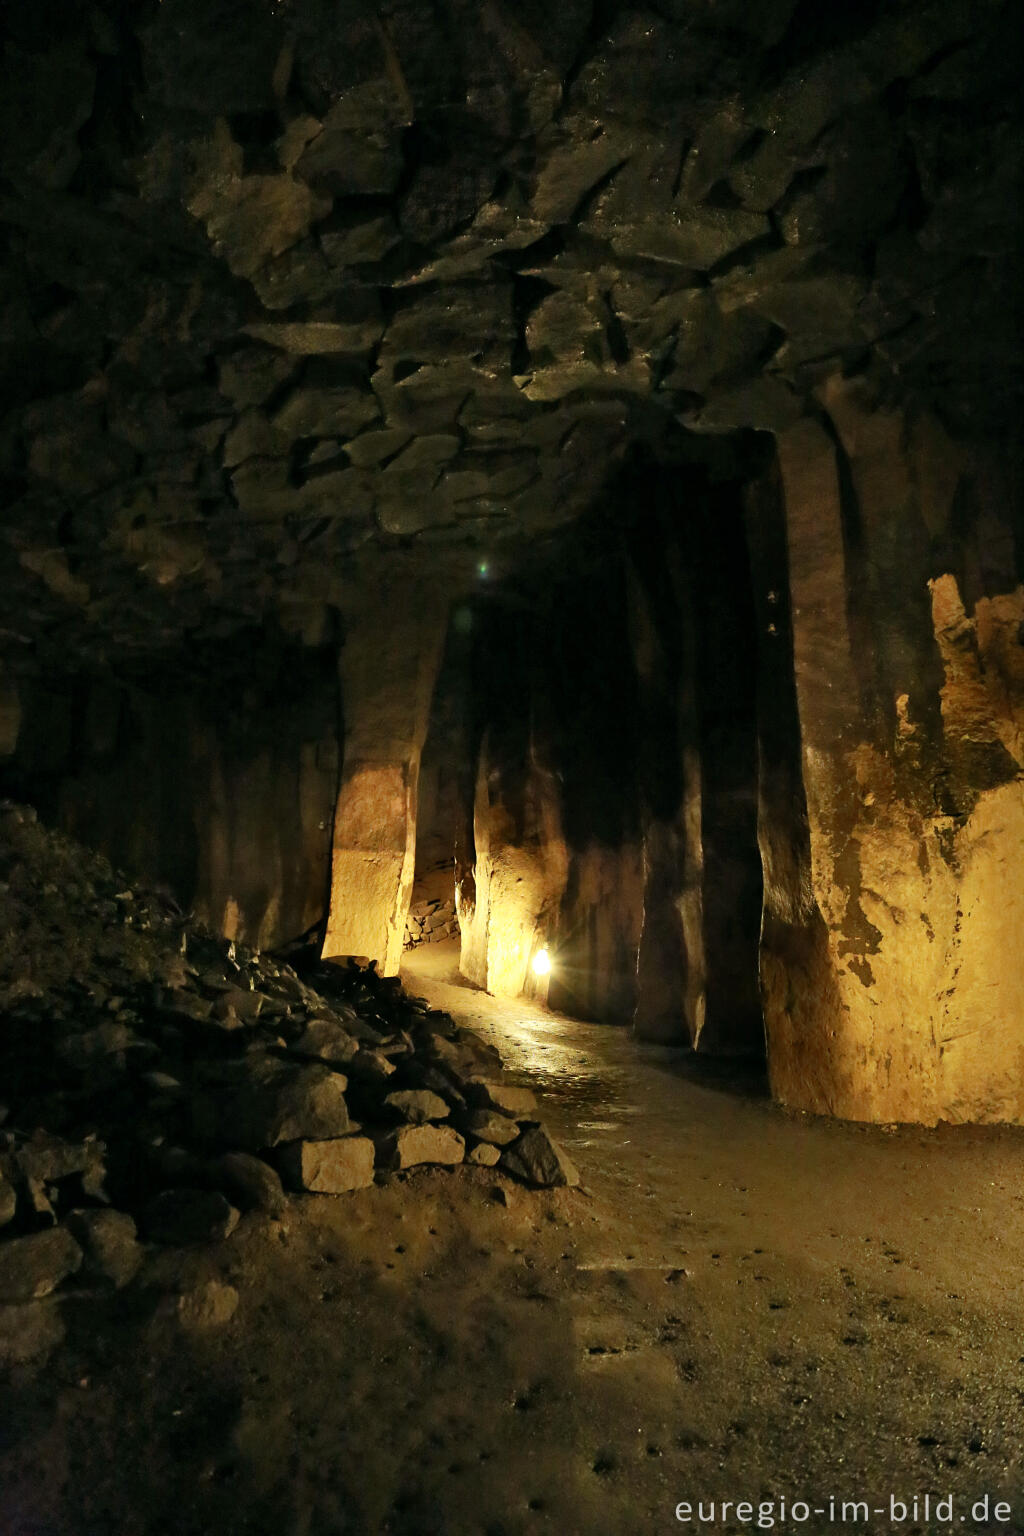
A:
(156, 1081)
(431, 922)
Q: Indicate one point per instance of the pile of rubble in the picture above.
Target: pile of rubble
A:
(431, 921)
(157, 1080)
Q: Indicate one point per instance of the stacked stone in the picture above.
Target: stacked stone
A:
(160, 1081)
(430, 922)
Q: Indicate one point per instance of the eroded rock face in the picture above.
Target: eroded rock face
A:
(280, 285)
(389, 666)
(891, 986)
(312, 327)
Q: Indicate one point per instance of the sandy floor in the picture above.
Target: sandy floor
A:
(738, 1304)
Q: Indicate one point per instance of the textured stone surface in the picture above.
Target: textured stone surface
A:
(891, 994)
(32, 1267)
(271, 1101)
(491, 1126)
(180, 1216)
(330, 1167)
(699, 215)
(8, 1201)
(209, 1306)
(109, 1244)
(417, 1105)
(503, 1097)
(415, 1144)
(312, 330)
(250, 1182)
(537, 1159)
(29, 1333)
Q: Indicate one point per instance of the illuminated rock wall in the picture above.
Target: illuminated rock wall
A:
(891, 980)
(389, 665)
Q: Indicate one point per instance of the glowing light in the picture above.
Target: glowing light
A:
(483, 570)
(542, 962)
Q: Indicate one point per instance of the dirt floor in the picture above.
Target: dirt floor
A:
(738, 1304)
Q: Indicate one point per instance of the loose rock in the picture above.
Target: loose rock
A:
(109, 1244)
(209, 1306)
(492, 1126)
(29, 1333)
(8, 1202)
(418, 1106)
(504, 1097)
(180, 1216)
(330, 1167)
(32, 1267)
(328, 1041)
(252, 1183)
(415, 1144)
(273, 1102)
(537, 1159)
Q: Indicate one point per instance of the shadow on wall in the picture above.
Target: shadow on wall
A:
(608, 811)
(213, 772)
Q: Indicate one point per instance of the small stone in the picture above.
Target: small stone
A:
(244, 1004)
(330, 1167)
(418, 1105)
(81, 1051)
(109, 1243)
(45, 1159)
(483, 1155)
(32, 1267)
(210, 1305)
(8, 1201)
(464, 1058)
(180, 1216)
(326, 1040)
(501, 1096)
(430, 1077)
(161, 1082)
(29, 1333)
(415, 1144)
(537, 1159)
(370, 1066)
(492, 1126)
(252, 1183)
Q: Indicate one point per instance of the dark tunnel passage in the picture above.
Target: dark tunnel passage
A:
(605, 699)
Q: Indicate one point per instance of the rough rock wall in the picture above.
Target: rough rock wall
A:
(521, 870)
(550, 858)
(622, 692)
(223, 789)
(389, 664)
(896, 992)
(283, 280)
(693, 637)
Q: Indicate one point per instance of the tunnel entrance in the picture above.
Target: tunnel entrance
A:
(589, 782)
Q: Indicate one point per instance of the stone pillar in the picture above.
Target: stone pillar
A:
(671, 969)
(520, 874)
(906, 999)
(389, 664)
(693, 644)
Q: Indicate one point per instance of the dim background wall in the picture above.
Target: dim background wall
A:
(216, 777)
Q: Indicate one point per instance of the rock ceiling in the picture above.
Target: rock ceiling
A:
(289, 281)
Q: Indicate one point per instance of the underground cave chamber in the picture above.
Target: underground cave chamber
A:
(550, 473)
(728, 749)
